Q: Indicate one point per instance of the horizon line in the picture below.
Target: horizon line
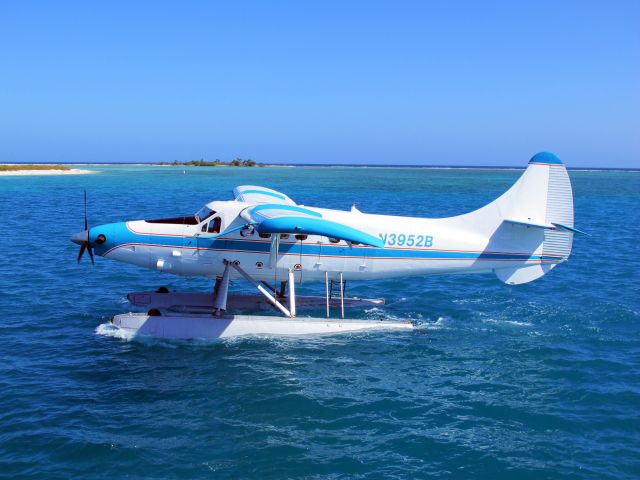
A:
(326, 165)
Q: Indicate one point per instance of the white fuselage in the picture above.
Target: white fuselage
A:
(413, 246)
(520, 236)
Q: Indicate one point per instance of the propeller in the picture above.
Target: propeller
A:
(86, 244)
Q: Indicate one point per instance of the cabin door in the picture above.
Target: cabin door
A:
(210, 251)
(329, 256)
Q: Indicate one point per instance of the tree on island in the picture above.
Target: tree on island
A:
(237, 162)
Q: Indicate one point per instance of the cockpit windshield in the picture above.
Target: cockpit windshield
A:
(204, 213)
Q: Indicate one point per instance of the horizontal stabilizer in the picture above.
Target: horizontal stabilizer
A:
(570, 229)
(544, 226)
(528, 223)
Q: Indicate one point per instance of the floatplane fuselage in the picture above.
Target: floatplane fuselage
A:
(520, 236)
(265, 236)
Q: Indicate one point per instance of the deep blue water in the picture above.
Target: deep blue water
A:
(535, 381)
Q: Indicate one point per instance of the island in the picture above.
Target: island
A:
(238, 162)
(39, 169)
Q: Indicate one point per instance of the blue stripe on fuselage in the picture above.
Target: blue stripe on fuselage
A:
(126, 236)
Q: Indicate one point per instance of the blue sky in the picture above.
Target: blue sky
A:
(461, 83)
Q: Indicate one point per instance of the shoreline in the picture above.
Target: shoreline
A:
(26, 172)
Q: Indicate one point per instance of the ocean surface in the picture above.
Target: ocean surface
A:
(528, 382)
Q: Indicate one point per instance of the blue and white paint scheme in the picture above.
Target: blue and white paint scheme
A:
(520, 236)
(264, 236)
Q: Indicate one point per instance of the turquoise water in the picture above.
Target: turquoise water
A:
(536, 381)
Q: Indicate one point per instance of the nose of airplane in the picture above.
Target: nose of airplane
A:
(80, 237)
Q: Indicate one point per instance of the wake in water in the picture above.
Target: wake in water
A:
(110, 330)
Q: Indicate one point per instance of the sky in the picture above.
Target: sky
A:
(396, 82)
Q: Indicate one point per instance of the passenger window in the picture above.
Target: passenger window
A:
(265, 235)
(247, 231)
(214, 225)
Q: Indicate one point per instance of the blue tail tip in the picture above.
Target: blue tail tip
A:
(546, 158)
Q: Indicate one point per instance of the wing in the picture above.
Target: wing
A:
(275, 218)
(259, 195)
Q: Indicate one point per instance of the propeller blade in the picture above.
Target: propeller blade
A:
(90, 250)
(83, 246)
(86, 244)
(86, 221)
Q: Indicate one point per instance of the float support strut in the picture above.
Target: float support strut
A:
(326, 288)
(220, 303)
(261, 288)
(341, 296)
(292, 294)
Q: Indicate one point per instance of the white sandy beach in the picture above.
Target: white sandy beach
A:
(73, 171)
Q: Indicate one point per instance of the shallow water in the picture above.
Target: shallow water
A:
(536, 381)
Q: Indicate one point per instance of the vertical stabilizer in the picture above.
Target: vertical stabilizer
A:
(539, 213)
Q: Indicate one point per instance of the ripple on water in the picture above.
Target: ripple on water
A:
(536, 381)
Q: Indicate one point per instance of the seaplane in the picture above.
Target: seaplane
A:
(264, 237)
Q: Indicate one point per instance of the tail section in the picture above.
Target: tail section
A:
(545, 198)
(535, 217)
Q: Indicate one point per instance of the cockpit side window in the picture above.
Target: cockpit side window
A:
(192, 220)
(204, 213)
(214, 225)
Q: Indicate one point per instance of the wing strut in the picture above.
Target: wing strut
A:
(261, 288)
(273, 253)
